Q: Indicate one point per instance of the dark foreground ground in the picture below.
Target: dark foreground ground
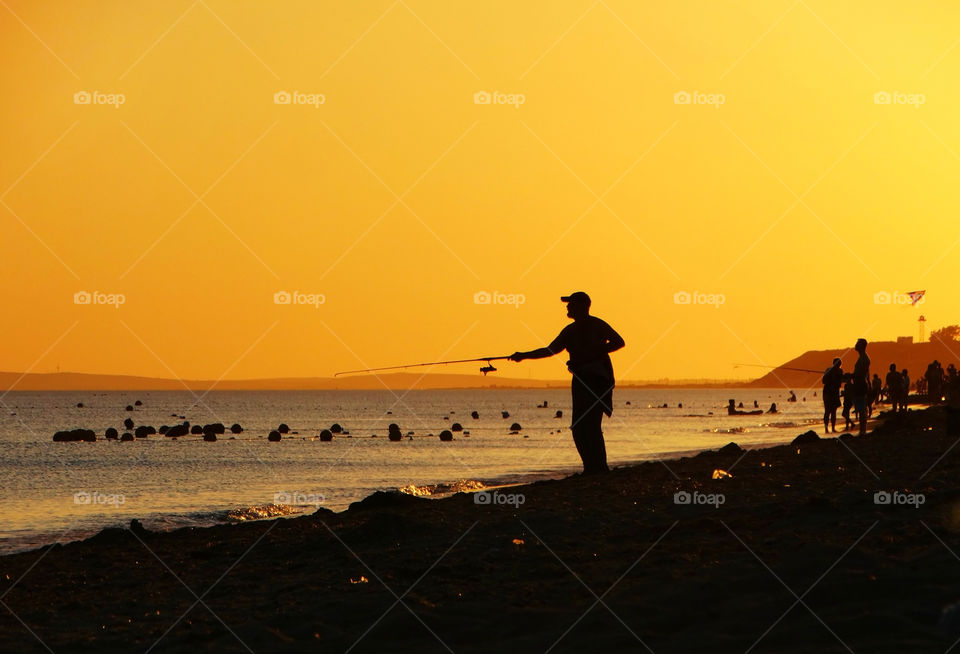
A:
(798, 558)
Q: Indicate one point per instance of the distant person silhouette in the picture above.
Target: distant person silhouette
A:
(894, 382)
(904, 390)
(950, 383)
(847, 400)
(589, 342)
(832, 381)
(861, 383)
(934, 377)
(876, 391)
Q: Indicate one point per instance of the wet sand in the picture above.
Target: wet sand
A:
(798, 557)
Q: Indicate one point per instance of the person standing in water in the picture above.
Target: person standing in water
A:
(861, 383)
(832, 381)
(588, 341)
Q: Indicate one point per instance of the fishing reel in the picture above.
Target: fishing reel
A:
(487, 368)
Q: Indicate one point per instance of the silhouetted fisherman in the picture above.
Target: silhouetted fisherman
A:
(589, 342)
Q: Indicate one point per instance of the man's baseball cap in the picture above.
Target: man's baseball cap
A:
(578, 297)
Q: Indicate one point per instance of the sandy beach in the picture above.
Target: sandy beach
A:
(789, 554)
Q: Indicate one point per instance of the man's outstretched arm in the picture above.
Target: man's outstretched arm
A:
(540, 353)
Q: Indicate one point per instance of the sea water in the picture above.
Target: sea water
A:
(57, 492)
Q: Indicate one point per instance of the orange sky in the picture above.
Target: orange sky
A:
(787, 185)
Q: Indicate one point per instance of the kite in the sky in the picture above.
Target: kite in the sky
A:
(915, 296)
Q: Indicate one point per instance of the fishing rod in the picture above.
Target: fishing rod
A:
(756, 365)
(485, 369)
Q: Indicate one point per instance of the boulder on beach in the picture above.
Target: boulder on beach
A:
(558, 414)
(283, 428)
(475, 415)
(210, 437)
(128, 423)
(515, 427)
(446, 435)
(143, 431)
(111, 433)
(505, 414)
(235, 428)
(336, 428)
(274, 436)
(74, 435)
(806, 438)
(127, 436)
(79, 405)
(138, 403)
(196, 429)
(215, 428)
(129, 407)
(731, 448)
(326, 435)
(163, 429)
(456, 427)
(384, 500)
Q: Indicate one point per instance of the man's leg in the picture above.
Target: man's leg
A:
(587, 427)
(598, 449)
(581, 404)
(588, 437)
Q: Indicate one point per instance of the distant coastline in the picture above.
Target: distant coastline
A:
(904, 353)
(77, 381)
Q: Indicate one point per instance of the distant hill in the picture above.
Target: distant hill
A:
(913, 356)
